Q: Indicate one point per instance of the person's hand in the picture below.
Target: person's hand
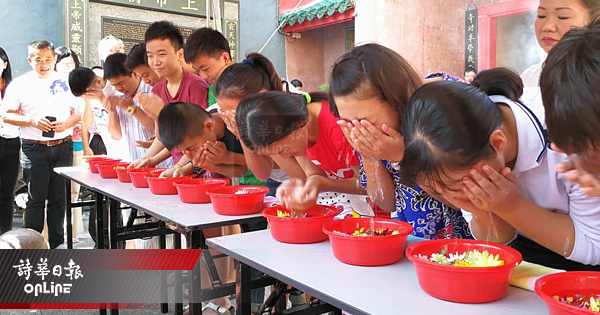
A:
(183, 171)
(168, 172)
(298, 195)
(109, 105)
(214, 152)
(228, 117)
(145, 144)
(142, 162)
(200, 159)
(589, 183)
(491, 191)
(42, 124)
(58, 126)
(122, 102)
(93, 94)
(371, 142)
(151, 104)
(87, 151)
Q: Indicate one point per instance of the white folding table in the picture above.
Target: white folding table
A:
(385, 290)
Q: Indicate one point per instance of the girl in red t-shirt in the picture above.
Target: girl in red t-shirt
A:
(302, 129)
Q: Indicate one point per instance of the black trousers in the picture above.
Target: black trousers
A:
(536, 253)
(9, 172)
(39, 162)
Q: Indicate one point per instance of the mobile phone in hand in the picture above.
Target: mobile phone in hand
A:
(49, 134)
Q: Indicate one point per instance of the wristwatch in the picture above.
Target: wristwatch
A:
(131, 109)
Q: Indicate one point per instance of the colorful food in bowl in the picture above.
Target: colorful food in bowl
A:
(472, 258)
(440, 278)
(367, 250)
(138, 175)
(299, 228)
(571, 292)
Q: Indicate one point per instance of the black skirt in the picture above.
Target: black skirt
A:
(97, 145)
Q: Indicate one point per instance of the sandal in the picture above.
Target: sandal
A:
(219, 309)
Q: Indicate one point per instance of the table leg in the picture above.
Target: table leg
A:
(103, 312)
(242, 287)
(164, 307)
(99, 220)
(178, 280)
(68, 213)
(195, 240)
(281, 303)
(113, 219)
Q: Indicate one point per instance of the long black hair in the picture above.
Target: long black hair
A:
(252, 75)
(7, 73)
(373, 70)
(447, 125)
(264, 118)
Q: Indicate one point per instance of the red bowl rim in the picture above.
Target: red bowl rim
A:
(145, 169)
(197, 182)
(98, 159)
(413, 248)
(404, 228)
(107, 162)
(122, 164)
(215, 191)
(317, 218)
(166, 179)
(108, 165)
(539, 287)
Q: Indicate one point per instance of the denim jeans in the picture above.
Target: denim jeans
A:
(9, 172)
(44, 184)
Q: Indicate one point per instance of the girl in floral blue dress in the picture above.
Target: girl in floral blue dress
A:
(369, 89)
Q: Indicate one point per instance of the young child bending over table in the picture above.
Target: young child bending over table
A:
(569, 84)
(487, 153)
(206, 141)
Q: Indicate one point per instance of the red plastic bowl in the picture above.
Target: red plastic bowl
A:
(567, 284)
(367, 250)
(138, 175)
(228, 201)
(107, 170)
(194, 190)
(123, 174)
(463, 284)
(95, 161)
(164, 185)
(300, 230)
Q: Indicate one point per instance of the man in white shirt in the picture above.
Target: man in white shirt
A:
(135, 124)
(40, 103)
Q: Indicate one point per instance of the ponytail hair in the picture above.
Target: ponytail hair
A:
(264, 118)
(254, 74)
(500, 81)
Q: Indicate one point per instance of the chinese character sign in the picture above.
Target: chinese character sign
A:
(187, 7)
(231, 33)
(471, 39)
(76, 16)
